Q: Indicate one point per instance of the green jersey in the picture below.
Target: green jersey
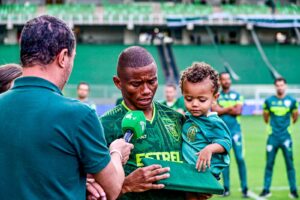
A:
(229, 99)
(198, 132)
(178, 104)
(161, 140)
(280, 111)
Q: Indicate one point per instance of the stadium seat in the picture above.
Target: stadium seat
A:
(134, 12)
(17, 12)
(185, 9)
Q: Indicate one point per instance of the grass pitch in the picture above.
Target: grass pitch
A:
(255, 137)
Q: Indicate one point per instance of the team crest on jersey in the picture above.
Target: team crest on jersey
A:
(191, 133)
(172, 130)
(287, 103)
(233, 96)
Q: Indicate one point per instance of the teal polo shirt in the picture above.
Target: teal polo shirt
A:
(48, 143)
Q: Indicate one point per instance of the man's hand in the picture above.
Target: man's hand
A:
(204, 157)
(124, 148)
(94, 190)
(142, 179)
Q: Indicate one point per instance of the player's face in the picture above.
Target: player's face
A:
(225, 81)
(170, 93)
(198, 97)
(280, 87)
(83, 91)
(138, 86)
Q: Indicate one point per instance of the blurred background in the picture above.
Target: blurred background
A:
(254, 40)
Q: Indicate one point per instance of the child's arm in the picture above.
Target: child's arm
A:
(204, 156)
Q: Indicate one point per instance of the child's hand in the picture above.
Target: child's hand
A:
(204, 157)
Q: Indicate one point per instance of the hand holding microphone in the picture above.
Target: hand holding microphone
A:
(133, 126)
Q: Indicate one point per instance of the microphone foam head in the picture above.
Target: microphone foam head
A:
(134, 121)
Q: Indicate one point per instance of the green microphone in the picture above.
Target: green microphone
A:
(133, 125)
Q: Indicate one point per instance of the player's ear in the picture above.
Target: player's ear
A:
(117, 82)
(62, 58)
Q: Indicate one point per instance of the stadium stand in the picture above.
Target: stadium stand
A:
(109, 21)
(144, 13)
(244, 59)
(246, 9)
(17, 12)
(185, 9)
(131, 12)
(74, 12)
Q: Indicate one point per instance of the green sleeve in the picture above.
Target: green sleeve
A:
(266, 107)
(221, 135)
(90, 144)
(295, 106)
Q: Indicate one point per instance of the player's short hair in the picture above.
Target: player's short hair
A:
(222, 73)
(134, 57)
(8, 73)
(83, 83)
(43, 38)
(279, 80)
(198, 72)
(172, 85)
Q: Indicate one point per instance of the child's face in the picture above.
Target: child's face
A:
(199, 97)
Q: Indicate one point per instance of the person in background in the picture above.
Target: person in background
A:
(8, 73)
(172, 101)
(83, 91)
(280, 111)
(229, 108)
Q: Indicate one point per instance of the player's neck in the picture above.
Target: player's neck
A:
(149, 113)
(48, 73)
(226, 90)
(169, 103)
(280, 96)
(82, 99)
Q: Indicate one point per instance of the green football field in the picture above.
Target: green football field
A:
(255, 142)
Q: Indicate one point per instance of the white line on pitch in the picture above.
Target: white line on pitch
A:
(254, 196)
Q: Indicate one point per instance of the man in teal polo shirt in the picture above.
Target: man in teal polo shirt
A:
(280, 112)
(229, 108)
(48, 142)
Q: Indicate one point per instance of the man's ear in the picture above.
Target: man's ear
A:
(62, 58)
(117, 82)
